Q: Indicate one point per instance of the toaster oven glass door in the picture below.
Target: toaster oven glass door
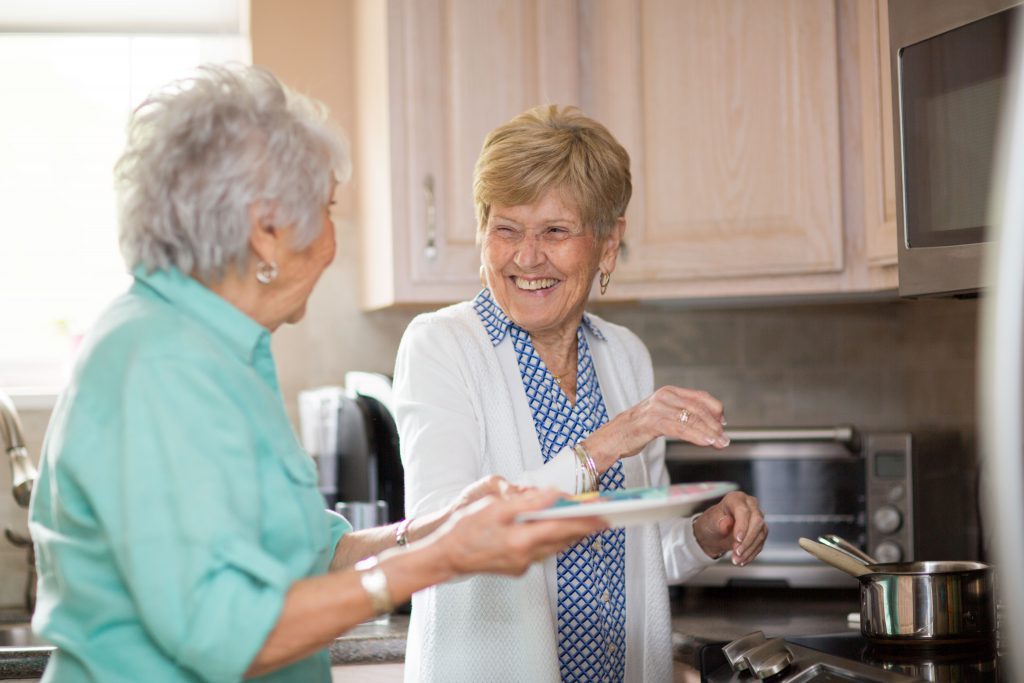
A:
(800, 496)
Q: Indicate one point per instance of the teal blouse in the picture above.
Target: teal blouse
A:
(175, 506)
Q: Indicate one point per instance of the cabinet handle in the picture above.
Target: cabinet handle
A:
(430, 252)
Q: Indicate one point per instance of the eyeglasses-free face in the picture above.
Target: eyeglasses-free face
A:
(540, 262)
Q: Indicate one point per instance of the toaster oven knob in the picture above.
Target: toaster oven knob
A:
(888, 551)
(887, 519)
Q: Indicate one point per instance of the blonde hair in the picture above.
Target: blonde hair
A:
(551, 147)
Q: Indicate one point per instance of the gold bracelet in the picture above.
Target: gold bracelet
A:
(588, 464)
(581, 472)
(375, 583)
(591, 467)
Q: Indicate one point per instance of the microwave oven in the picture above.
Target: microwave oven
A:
(949, 61)
(899, 496)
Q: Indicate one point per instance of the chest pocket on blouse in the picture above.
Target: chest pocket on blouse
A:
(295, 527)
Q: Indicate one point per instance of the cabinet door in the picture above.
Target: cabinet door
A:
(730, 112)
(879, 156)
(455, 70)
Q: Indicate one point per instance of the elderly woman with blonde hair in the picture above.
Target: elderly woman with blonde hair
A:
(180, 534)
(523, 382)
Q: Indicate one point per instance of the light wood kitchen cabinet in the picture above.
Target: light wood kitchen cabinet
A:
(880, 184)
(738, 117)
(434, 77)
(759, 133)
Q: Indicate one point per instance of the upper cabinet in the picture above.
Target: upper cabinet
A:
(879, 159)
(759, 134)
(434, 77)
(730, 111)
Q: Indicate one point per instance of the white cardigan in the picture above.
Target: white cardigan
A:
(462, 413)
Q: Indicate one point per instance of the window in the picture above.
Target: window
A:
(66, 100)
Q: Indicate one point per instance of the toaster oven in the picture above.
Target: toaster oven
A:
(898, 496)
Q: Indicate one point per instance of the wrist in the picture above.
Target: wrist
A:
(587, 477)
(435, 560)
(375, 583)
(421, 527)
(403, 534)
(593, 447)
(710, 552)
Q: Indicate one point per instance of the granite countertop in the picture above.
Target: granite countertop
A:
(699, 616)
(365, 644)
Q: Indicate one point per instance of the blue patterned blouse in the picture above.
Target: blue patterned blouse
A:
(591, 575)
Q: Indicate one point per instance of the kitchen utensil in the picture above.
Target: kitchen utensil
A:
(837, 558)
(629, 507)
(841, 544)
(919, 603)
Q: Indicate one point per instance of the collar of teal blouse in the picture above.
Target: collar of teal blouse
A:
(243, 335)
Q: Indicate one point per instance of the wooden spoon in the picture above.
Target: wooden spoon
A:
(836, 558)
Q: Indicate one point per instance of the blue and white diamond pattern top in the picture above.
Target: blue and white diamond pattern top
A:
(591, 575)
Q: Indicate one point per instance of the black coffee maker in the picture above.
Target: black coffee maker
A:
(351, 434)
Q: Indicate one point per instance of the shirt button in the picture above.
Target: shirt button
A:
(612, 648)
(597, 546)
(605, 597)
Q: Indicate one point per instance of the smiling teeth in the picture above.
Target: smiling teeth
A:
(523, 283)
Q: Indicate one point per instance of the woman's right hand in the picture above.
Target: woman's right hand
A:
(485, 537)
(675, 412)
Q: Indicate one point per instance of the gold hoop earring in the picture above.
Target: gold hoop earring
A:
(604, 280)
(266, 272)
(483, 278)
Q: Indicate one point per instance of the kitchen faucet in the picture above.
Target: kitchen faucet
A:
(23, 476)
(23, 472)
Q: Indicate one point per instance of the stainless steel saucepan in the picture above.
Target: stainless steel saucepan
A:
(918, 603)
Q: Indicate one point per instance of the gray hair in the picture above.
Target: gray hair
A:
(207, 149)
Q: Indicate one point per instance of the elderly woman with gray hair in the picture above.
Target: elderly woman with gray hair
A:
(180, 532)
(523, 382)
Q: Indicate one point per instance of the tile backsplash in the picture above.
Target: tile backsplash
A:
(888, 365)
(899, 364)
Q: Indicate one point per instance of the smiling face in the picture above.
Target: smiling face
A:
(540, 262)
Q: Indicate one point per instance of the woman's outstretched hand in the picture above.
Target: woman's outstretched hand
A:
(735, 523)
(674, 412)
(484, 536)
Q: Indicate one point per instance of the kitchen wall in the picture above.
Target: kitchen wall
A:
(891, 364)
(880, 365)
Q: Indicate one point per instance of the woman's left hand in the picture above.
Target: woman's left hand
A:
(735, 523)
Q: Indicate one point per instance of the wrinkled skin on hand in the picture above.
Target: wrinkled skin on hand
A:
(660, 414)
(735, 523)
(483, 536)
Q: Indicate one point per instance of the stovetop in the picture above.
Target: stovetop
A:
(850, 658)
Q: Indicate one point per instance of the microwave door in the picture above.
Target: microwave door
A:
(949, 77)
(1002, 368)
